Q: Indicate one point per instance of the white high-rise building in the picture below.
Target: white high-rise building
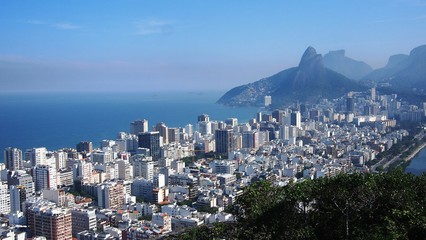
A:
(13, 158)
(38, 156)
(61, 158)
(178, 166)
(82, 170)
(4, 199)
(268, 100)
(102, 157)
(295, 119)
(125, 170)
(159, 180)
(45, 177)
(189, 129)
(205, 128)
(143, 168)
(284, 132)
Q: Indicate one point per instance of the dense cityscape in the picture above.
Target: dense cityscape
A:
(152, 182)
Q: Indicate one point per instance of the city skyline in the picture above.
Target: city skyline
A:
(157, 46)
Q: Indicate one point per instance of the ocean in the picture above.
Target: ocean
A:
(59, 120)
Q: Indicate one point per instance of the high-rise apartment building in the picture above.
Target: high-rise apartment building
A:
(49, 222)
(85, 146)
(139, 126)
(21, 178)
(164, 132)
(150, 140)
(13, 158)
(18, 195)
(203, 118)
(45, 177)
(110, 195)
(125, 170)
(295, 119)
(250, 139)
(82, 220)
(232, 122)
(205, 128)
(223, 139)
(61, 158)
(4, 199)
(38, 156)
(173, 135)
(143, 168)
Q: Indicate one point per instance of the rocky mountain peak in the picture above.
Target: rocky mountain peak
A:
(309, 54)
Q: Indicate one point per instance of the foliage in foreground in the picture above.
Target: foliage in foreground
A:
(356, 206)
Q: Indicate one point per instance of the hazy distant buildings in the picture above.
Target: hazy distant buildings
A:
(150, 140)
(139, 126)
(13, 158)
(268, 100)
(350, 104)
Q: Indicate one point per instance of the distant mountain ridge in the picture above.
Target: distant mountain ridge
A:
(403, 72)
(353, 69)
(309, 81)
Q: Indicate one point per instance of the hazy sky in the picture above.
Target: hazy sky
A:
(190, 45)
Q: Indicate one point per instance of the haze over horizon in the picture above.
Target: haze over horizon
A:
(190, 45)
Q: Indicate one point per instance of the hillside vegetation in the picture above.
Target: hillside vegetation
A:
(352, 206)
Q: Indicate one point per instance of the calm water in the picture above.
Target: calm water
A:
(418, 163)
(62, 120)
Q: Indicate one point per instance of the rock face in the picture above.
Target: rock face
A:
(403, 72)
(353, 69)
(309, 81)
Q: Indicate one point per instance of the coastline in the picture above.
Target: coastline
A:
(414, 154)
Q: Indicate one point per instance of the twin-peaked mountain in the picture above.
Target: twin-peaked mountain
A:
(309, 81)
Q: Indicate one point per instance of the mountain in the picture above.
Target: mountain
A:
(403, 72)
(309, 81)
(353, 69)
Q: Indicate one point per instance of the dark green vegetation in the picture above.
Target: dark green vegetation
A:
(349, 206)
(309, 81)
(200, 154)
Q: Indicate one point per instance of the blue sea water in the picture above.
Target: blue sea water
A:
(58, 120)
(417, 165)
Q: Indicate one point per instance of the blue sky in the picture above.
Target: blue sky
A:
(190, 45)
